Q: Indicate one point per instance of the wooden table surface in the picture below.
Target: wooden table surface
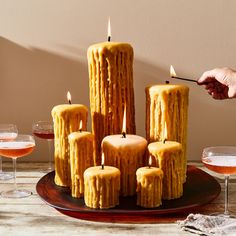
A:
(31, 216)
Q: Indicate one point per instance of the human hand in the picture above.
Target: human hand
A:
(220, 83)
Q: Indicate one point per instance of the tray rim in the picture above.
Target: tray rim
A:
(141, 211)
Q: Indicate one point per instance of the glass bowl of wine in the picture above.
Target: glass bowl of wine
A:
(222, 160)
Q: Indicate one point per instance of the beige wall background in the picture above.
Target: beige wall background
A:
(43, 48)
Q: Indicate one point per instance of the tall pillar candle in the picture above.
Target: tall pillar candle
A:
(66, 120)
(168, 104)
(167, 156)
(111, 86)
(81, 158)
(127, 154)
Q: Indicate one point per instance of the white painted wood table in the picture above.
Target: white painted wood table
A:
(31, 216)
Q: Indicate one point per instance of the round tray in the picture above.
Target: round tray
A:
(199, 189)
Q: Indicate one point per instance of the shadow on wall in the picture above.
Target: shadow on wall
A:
(32, 81)
(144, 75)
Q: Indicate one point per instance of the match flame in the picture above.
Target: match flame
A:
(172, 71)
(69, 97)
(109, 29)
(150, 161)
(80, 125)
(102, 159)
(124, 121)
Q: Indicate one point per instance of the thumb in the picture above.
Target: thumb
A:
(232, 92)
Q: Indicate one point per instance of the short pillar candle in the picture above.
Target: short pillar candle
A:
(81, 158)
(66, 118)
(149, 187)
(101, 187)
(167, 156)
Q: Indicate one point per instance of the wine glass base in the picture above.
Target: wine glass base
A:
(19, 193)
(48, 169)
(6, 176)
(220, 214)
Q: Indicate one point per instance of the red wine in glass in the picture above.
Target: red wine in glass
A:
(44, 130)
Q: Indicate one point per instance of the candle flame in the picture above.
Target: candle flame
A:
(102, 159)
(150, 161)
(69, 97)
(124, 121)
(165, 132)
(109, 29)
(80, 125)
(172, 71)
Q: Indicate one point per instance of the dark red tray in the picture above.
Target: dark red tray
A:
(199, 189)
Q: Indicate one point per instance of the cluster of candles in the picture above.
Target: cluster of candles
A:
(80, 156)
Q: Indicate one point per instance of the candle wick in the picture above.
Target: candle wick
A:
(102, 166)
(164, 141)
(167, 81)
(70, 102)
(123, 135)
(109, 38)
(80, 130)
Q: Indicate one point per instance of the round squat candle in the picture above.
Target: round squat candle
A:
(101, 187)
(149, 186)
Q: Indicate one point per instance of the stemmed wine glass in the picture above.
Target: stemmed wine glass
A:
(222, 160)
(44, 130)
(21, 146)
(7, 132)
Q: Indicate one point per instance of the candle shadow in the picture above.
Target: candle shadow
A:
(33, 80)
(144, 75)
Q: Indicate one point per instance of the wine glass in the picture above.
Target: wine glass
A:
(21, 146)
(44, 130)
(7, 132)
(222, 160)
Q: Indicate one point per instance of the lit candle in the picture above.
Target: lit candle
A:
(149, 186)
(168, 157)
(126, 152)
(81, 157)
(168, 103)
(101, 186)
(66, 118)
(111, 86)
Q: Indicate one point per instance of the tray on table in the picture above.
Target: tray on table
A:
(200, 188)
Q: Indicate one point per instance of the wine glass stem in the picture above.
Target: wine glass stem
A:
(14, 173)
(50, 142)
(226, 194)
(0, 164)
